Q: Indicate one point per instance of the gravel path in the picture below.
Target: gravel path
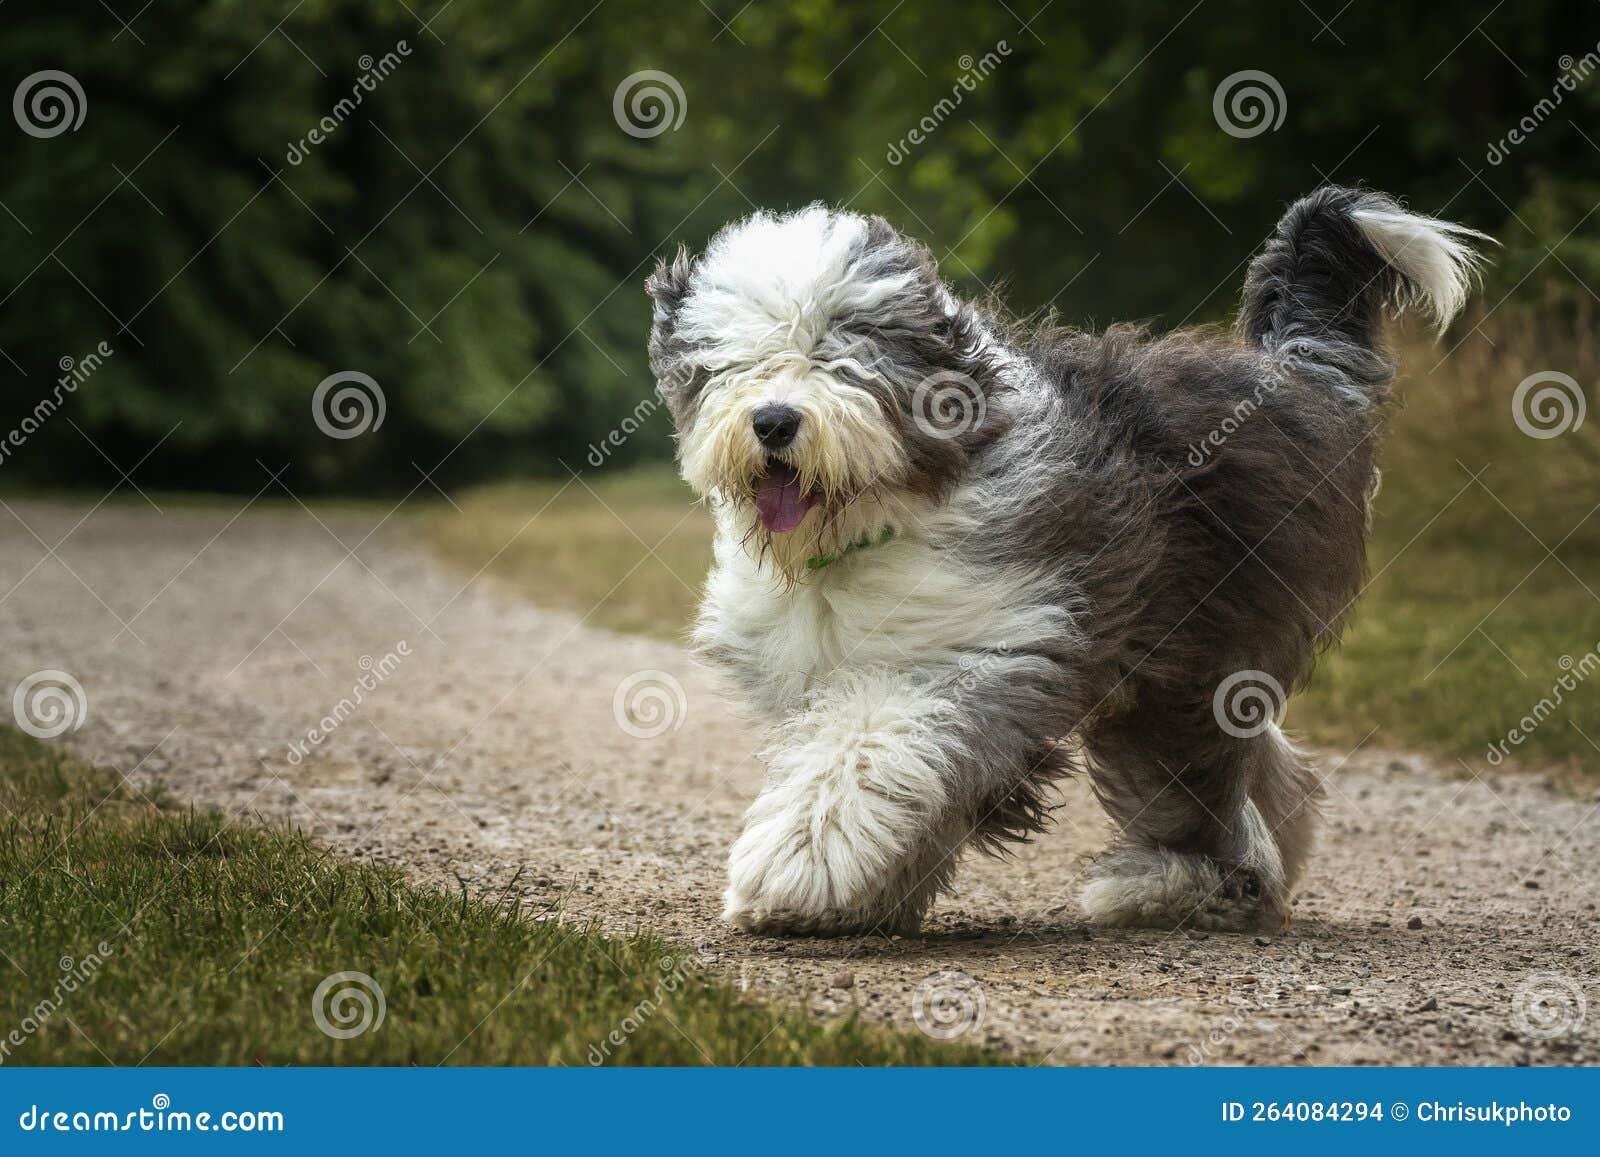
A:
(1447, 919)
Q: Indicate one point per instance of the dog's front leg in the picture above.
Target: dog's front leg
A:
(854, 831)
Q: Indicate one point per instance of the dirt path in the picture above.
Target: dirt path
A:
(492, 749)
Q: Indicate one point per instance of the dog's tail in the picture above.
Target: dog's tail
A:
(1316, 292)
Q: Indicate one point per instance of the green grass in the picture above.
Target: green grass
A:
(133, 932)
(1465, 623)
(1422, 663)
(627, 550)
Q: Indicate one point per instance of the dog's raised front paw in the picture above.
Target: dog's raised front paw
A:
(783, 880)
(763, 921)
(794, 873)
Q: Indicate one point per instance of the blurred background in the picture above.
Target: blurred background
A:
(473, 231)
(221, 215)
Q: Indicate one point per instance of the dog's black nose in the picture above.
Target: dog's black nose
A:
(775, 425)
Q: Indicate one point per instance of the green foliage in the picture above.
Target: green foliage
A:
(134, 933)
(474, 233)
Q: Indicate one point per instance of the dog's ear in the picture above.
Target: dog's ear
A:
(669, 283)
(667, 286)
(895, 254)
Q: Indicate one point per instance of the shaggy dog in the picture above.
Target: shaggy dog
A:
(957, 556)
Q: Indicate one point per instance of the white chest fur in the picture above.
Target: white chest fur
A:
(911, 604)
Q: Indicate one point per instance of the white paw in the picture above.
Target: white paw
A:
(786, 864)
(856, 790)
(814, 865)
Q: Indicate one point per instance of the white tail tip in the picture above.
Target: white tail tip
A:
(1435, 258)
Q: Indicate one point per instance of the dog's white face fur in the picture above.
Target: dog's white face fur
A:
(809, 313)
(764, 308)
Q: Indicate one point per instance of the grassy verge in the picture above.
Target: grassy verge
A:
(1486, 562)
(132, 932)
(1479, 587)
(627, 550)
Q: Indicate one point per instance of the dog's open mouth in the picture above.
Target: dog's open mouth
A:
(781, 504)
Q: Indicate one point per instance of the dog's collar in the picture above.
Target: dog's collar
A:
(820, 561)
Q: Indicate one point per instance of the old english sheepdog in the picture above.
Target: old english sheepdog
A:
(958, 556)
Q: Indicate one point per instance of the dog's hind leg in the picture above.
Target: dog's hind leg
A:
(1288, 792)
(854, 832)
(1215, 827)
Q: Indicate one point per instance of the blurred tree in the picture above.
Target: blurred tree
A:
(263, 195)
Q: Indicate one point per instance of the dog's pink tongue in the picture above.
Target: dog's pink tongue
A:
(780, 503)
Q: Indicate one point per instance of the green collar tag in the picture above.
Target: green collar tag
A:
(819, 561)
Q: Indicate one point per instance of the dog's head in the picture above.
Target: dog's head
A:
(819, 372)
